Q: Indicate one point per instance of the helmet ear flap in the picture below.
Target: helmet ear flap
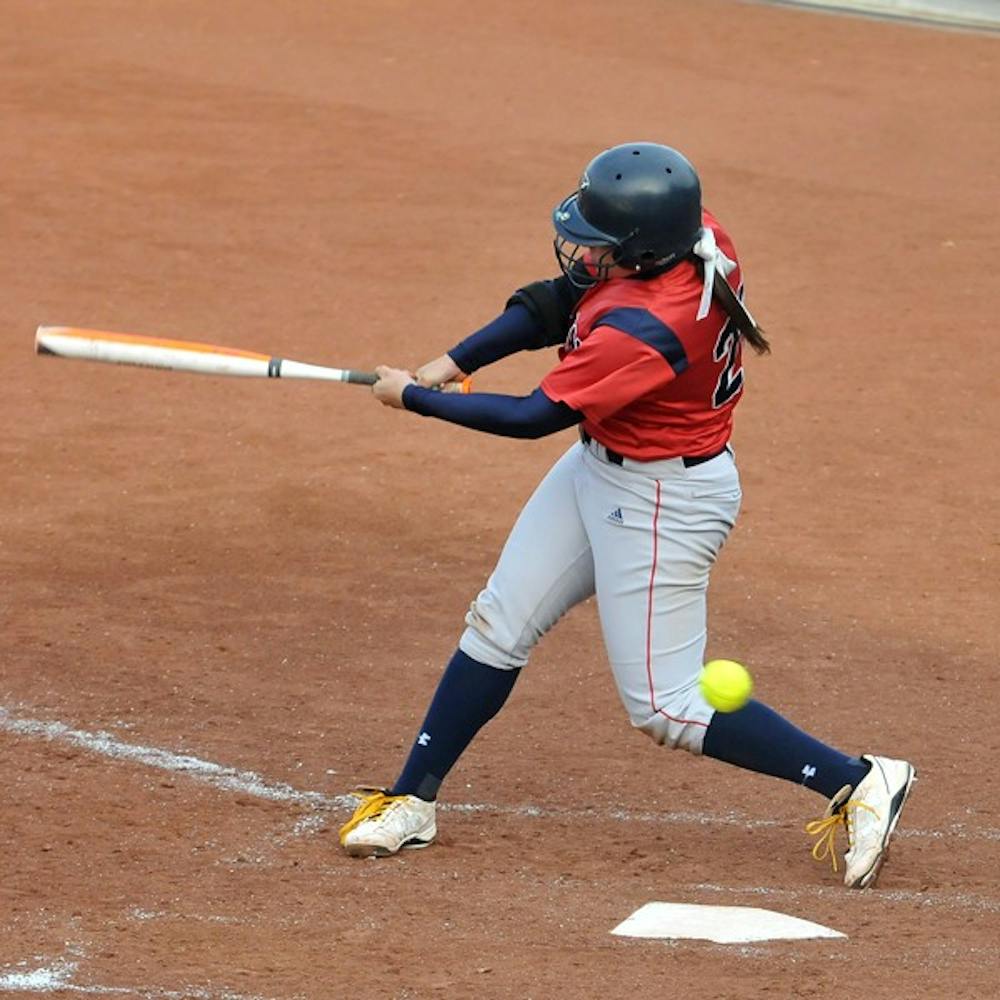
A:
(641, 261)
(646, 261)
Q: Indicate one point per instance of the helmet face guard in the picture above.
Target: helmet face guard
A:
(639, 203)
(585, 253)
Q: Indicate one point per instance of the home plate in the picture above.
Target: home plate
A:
(722, 924)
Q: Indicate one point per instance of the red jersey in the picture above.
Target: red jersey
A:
(651, 380)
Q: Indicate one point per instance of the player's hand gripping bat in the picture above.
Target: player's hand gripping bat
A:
(182, 355)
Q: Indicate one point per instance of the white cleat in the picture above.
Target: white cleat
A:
(869, 814)
(383, 824)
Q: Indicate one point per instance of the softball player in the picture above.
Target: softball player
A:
(650, 324)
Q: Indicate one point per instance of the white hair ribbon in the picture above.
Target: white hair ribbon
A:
(714, 258)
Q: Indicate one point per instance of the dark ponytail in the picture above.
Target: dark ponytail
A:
(740, 315)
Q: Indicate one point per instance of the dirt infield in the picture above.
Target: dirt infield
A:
(226, 602)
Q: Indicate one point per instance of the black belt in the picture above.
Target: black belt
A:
(615, 459)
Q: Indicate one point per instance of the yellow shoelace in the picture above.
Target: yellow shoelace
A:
(371, 804)
(825, 831)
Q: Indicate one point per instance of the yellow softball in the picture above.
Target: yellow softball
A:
(725, 684)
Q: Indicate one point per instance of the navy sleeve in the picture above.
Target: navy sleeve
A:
(531, 416)
(515, 329)
(536, 316)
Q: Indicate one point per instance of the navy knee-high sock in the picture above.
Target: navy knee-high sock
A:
(758, 739)
(468, 695)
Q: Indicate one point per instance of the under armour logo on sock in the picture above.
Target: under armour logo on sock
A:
(808, 772)
(423, 739)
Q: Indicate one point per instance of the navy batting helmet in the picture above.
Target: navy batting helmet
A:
(641, 199)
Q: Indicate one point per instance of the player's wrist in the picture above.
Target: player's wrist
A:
(460, 370)
(462, 358)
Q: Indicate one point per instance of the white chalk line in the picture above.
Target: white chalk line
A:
(251, 783)
(229, 779)
(58, 975)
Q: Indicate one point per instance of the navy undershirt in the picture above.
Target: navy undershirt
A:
(531, 416)
(515, 329)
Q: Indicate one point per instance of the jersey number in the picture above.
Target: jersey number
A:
(731, 377)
